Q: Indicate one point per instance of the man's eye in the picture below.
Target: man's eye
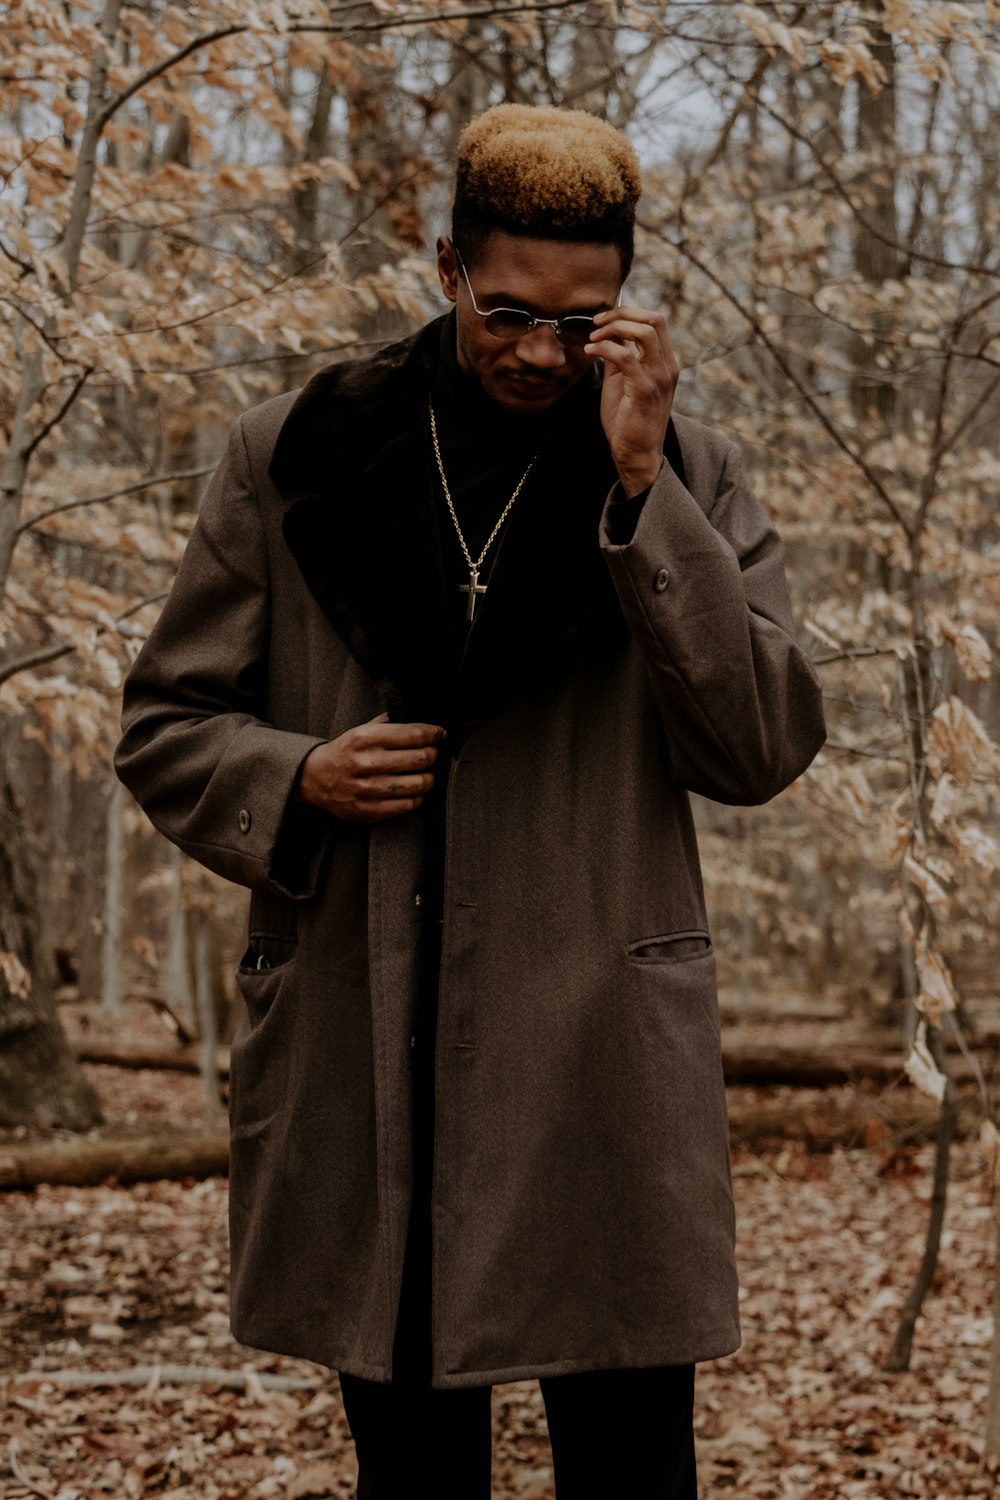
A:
(508, 320)
(576, 331)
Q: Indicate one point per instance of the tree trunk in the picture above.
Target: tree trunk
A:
(208, 1022)
(54, 918)
(307, 197)
(111, 946)
(469, 90)
(899, 1355)
(41, 1082)
(591, 76)
(177, 974)
(387, 206)
(20, 446)
(992, 1453)
(876, 258)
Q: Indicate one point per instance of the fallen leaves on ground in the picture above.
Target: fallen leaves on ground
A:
(109, 1278)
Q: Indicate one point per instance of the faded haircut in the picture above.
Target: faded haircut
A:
(558, 174)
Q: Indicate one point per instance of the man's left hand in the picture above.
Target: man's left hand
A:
(640, 377)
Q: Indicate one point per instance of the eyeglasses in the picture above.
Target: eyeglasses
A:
(509, 323)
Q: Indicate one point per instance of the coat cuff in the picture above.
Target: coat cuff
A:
(285, 837)
(622, 515)
(671, 544)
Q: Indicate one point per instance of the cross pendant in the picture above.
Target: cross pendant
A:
(472, 588)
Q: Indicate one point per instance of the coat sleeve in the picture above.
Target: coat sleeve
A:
(706, 600)
(196, 750)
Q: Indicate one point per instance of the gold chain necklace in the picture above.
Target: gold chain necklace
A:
(473, 588)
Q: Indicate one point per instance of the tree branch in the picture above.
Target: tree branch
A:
(134, 609)
(62, 648)
(144, 1375)
(827, 423)
(48, 339)
(10, 669)
(86, 162)
(257, 294)
(54, 420)
(21, 1476)
(128, 489)
(432, 18)
(962, 426)
(929, 483)
(25, 267)
(889, 760)
(850, 652)
(258, 359)
(906, 250)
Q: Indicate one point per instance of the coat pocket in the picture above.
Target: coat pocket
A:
(266, 951)
(273, 938)
(259, 989)
(671, 947)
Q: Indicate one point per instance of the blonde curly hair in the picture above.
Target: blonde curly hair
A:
(548, 173)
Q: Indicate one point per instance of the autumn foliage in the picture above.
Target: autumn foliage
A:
(203, 204)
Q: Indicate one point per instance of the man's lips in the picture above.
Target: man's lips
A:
(532, 382)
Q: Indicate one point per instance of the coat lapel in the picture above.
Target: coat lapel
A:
(352, 464)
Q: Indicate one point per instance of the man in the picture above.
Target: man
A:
(458, 628)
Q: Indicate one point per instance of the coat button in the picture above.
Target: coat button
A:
(418, 900)
(245, 820)
(661, 580)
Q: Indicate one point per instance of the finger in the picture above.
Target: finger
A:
(653, 373)
(378, 812)
(647, 316)
(623, 330)
(380, 731)
(381, 788)
(643, 341)
(623, 358)
(381, 760)
(625, 321)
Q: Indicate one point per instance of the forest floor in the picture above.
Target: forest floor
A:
(113, 1278)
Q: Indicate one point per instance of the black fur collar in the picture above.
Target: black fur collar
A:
(353, 464)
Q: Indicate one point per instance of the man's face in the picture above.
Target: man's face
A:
(549, 278)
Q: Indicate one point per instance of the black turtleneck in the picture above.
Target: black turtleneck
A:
(485, 450)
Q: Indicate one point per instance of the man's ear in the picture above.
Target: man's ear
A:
(447, 266)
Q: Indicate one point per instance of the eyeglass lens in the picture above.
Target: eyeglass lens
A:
(510, 323)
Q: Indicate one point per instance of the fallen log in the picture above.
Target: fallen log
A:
(752, 1065)
(822, 1124)
(748, 1064)
(90, 1160)
(865, 1121)
(172, 1059)
(744, 1063)
(156, 1375)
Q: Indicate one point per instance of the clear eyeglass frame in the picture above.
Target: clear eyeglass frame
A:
(573, 331)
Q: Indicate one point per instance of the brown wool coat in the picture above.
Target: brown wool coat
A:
(582, 1211)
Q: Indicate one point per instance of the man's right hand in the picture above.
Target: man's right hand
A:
(377, 770)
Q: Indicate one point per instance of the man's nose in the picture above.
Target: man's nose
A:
(541, 349)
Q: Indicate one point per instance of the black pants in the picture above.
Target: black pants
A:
(615, 1435)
